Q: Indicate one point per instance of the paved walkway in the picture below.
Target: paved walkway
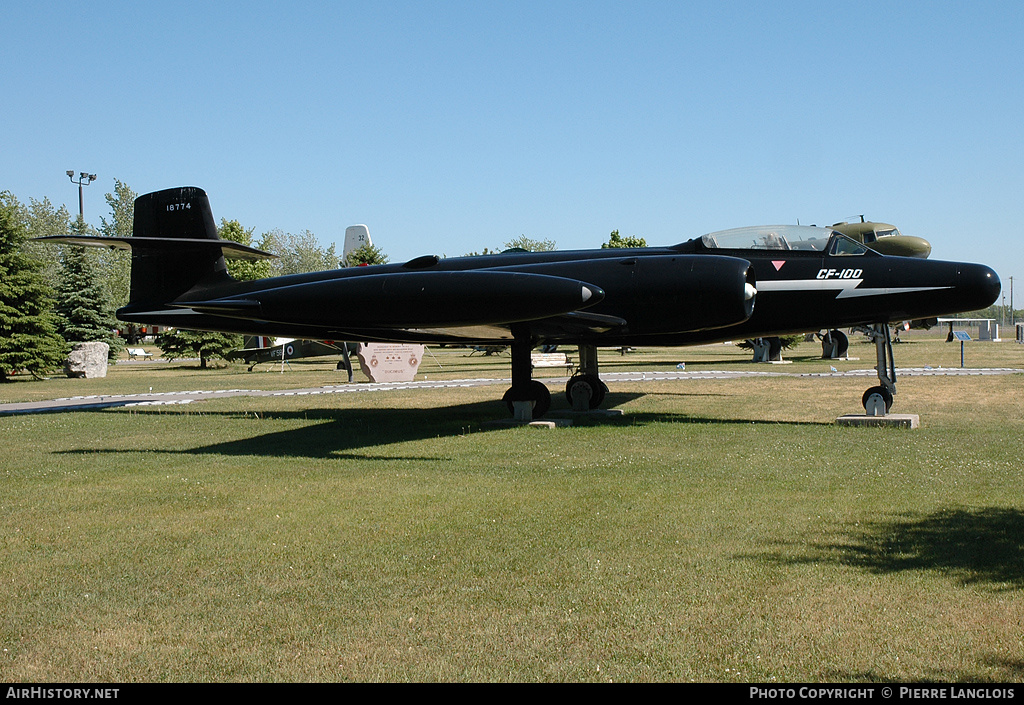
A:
(87, 403)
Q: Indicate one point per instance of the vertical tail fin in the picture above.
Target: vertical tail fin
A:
(175, 249)
(355, 237)
(258, 342)
(161, 270)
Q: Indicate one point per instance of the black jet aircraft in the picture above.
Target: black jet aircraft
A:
(745, 283)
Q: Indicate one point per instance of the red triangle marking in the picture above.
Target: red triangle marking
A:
(778, 263)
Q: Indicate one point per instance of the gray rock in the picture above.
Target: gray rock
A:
(87, 360)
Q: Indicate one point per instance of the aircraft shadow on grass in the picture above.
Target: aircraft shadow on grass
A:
(349, 433)
(1015, 669)
(983, 547)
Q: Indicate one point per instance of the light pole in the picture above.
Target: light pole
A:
(1013, 318)
(83, 179)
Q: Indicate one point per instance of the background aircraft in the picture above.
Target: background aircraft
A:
(260, 348)
(885, 238)
(703, 290)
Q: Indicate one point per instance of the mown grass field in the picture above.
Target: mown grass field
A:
(720, 530)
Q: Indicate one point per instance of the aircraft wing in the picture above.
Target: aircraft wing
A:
(582, 323)
(571, 324)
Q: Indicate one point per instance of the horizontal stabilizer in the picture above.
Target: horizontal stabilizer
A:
(230, 250)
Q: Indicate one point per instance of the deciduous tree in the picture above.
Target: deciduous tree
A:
(298, 254)
(244, 269)
(116, 265)
(42, 220)
(530, 245)
(616, 240)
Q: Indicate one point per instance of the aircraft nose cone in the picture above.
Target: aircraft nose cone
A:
(979, 284)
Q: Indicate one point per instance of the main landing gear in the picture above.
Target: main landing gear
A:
(527, 398)
(585, 390)
(834, 345)
(878, 400)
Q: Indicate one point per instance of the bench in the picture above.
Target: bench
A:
(135, 353)
(551, 360)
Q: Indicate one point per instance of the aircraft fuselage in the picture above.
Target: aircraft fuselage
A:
(680, 295)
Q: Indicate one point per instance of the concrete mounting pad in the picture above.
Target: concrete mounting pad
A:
(589, 413)
(891, 420)
(536, 423)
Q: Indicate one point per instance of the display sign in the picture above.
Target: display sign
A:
(390, 362)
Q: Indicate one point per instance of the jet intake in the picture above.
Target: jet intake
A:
(678, 294)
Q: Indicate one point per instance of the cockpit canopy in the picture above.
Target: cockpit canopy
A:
(804, 238)
(887, 232)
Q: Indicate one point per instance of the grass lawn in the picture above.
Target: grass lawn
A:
(721, 530)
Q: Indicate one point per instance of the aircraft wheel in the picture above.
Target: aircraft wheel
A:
(882, 392)
(842, 342)
(593, 383)
(538, 394)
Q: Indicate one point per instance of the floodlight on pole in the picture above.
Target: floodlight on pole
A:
(82, 180)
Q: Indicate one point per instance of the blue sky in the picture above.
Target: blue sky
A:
(448, 127)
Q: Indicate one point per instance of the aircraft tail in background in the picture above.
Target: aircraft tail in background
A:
(356, 236)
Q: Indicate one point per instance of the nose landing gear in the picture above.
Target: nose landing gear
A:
(878, 400)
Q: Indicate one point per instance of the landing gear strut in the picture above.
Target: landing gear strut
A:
(585, 390)
(527, 398)
(346, 362)
(878, 400)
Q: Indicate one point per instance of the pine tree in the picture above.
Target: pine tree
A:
(28, 331)
(365, 254)
(179, 343)
(83, 305)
